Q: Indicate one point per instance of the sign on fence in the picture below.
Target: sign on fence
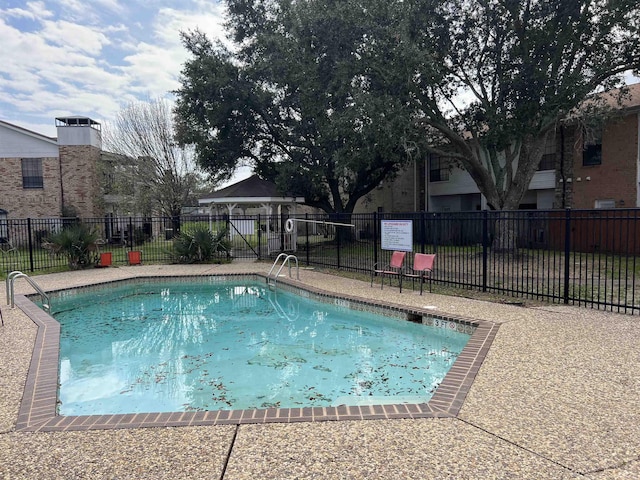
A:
(396, 235)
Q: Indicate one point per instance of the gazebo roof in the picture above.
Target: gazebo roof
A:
(252, 190)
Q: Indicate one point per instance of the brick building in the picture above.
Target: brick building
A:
(46, 177)
(603, 170)
(582, 168)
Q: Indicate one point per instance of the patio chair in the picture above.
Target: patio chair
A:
(395, 267)
(422, 267)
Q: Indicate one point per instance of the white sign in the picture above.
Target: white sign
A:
(397, 235)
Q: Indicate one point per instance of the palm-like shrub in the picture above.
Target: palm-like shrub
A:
(77, 242)
(199, 245)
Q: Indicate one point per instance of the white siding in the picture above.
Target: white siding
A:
(460, 182)
(79, 135)
(543, 180)
(18, 144)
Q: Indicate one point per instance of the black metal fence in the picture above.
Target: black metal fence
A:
(580, 257)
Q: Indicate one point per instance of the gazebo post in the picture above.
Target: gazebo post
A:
(267, 209)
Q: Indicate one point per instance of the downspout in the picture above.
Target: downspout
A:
(638, 163)
(563, 178)
(415, 186)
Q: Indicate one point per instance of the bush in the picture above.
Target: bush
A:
(77, 242)
(139, 236)
(41, 236)
(199, 245)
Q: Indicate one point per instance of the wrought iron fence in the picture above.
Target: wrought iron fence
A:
(581, 257)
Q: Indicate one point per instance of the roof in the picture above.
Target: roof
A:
(77, 121)
(630, 99)
(253, 186)
(251, 190)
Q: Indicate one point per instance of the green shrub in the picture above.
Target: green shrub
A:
(199, 245)
(139, 236)
(77, 242)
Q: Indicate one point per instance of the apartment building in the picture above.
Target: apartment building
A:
(45, 177)
(580, 169)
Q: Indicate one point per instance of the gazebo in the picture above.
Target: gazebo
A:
(257, 193)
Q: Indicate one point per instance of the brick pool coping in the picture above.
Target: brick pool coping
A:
(38, 407)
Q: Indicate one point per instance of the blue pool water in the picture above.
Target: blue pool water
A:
(187, 347)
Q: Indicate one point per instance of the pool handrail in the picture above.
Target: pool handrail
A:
(12, 277)
(282, 255)
(287, 260)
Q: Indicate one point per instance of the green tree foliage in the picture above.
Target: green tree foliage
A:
(510, 71)
(331, 97)
(314, 95)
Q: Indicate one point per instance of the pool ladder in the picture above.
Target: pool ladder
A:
(12, 277)
(286, 260)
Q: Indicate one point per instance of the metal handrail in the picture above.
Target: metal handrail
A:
(12, 277)
(276, 262)
(286, 261)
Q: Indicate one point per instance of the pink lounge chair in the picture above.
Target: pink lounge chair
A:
(394, 268)
(422, 267)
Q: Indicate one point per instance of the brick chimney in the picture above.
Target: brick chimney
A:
(80, 144)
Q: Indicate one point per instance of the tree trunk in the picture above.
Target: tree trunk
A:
(344, 234)
(175, 224)
(506, 234)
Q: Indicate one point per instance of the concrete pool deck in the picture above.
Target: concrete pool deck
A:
(558, 396)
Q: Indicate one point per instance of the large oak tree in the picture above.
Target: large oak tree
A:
(331, 97)
(510, 71)
(315, 95)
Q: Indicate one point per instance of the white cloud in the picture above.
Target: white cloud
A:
(81, 10)
(70, 57)
(34, 11)
(155, 68)
(73, 37)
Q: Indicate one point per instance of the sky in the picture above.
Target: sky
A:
(92, 58)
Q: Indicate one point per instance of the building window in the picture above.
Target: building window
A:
(607, 203)
(4, 228)
(32, 173)
(109, 184)
(548, 160)
(438, 169)
(592, 147)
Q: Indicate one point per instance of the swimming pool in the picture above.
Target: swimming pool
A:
(172, 346)
(39, 410)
